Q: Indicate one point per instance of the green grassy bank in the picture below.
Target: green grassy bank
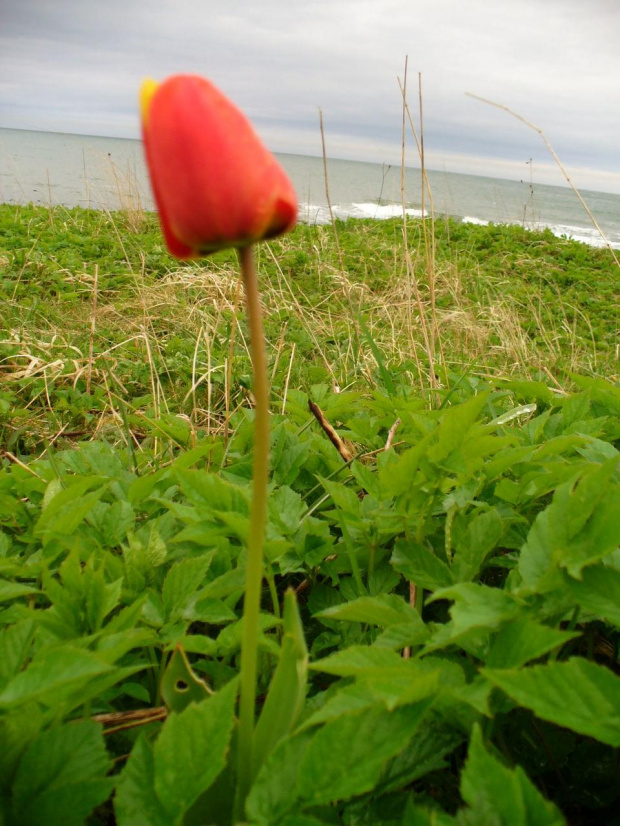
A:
(94, 312)
(456, 559)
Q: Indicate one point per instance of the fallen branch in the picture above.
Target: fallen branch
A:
(334, 438)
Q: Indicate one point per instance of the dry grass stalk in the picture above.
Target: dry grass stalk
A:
(556, 158)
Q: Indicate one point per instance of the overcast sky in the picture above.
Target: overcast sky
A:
(76, 65)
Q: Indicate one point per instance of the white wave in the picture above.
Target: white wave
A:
(319, 214)
(586, 235)
(468, 219)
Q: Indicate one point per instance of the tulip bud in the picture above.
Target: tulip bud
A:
(215, 183)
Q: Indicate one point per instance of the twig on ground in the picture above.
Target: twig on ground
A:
(121, 720)
(334, 438)
(391, 434)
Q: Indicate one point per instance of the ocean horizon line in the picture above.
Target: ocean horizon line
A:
(432, 170)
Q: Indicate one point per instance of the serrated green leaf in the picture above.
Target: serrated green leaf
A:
(420, 565)
(576, 694)
(52, 676)
(477, 606)
(18, 729)
(598, 592)
(481, 536)
(191, 750)
(399, 636)
(455, 426)
(347, 756)
(212, 611)
(421, 816)
(274, 793)
(399, 474)
(383, 610)
(69, 507)
(522, 640)
(578, 528)
(15, 643)
(182, 581)
(117, 520)
(135, 801)
(62, 776)
(357, 659)
(425, 753)
(507, 794)
(12, 590)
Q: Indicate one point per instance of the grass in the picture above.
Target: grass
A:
(100, 326)
(439, 624)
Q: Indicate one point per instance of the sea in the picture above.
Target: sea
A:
(109, 173)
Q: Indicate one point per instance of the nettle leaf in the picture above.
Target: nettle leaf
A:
(286, 508)
(275, 791)
(117, 520)
(476, 608)
(383, 610)
(182, 581)
(18, 729)
(62, 776)
(523, 639)
(343, 758)
(212, 493)
(398, 474)
(191, 750)
(15, 643)
(425, 753)
(135, 802)
(358, 659)
(420, 565)
(288, 455)
(598, 592)
(68, 507)
(455, 426)
(399, 636)
(229, 639)
(577, 694)
(346, 756)
(53, 675)
(481, 535)
(421, 816)
(579, 527)
(12, 590)
(498, 794)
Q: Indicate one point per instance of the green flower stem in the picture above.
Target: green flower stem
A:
(258, 512)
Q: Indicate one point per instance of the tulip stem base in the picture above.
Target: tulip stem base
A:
(258, 511)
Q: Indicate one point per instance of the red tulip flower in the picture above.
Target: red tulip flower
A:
(215, 183)
(216, 186)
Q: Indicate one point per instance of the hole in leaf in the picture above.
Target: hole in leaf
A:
(181, 685)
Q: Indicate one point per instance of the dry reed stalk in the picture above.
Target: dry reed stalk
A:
(412, 282)
(288, 378)
(93, 326)
(429, 245)
(302, 314)
(336, 237)
(329, 203)
(556, 158)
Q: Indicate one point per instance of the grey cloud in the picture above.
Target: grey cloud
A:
(76, 65)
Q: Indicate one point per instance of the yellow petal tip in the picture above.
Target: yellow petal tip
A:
(147, 90)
